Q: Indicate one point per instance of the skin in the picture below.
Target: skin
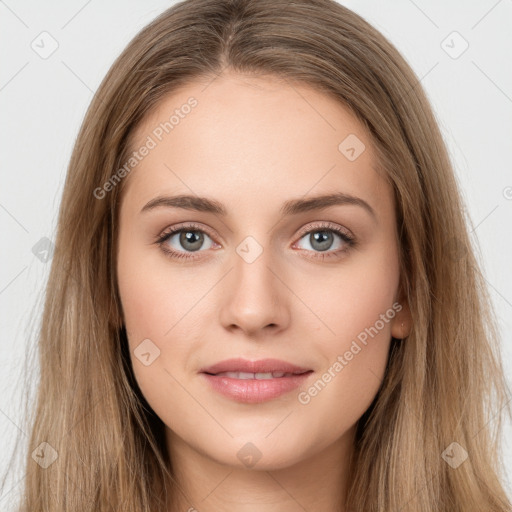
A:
(253, 143)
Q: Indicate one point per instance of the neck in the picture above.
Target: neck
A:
(314, 482)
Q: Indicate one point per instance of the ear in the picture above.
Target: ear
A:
(401, 324)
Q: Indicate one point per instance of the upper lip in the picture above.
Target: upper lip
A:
(262, 366)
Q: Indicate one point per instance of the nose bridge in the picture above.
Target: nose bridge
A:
(253, 300)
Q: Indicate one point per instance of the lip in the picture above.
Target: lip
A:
(254, 390)
(239, 364)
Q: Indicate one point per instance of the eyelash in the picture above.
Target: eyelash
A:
(350, 241)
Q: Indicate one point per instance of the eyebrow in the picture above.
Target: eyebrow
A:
(291, 207)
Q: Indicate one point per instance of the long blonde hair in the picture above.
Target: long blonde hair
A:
(444, 383)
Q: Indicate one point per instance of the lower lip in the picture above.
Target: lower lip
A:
(255, 390)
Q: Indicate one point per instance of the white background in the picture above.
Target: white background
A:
(43, 101)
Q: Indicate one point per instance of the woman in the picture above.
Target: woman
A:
(263, 295)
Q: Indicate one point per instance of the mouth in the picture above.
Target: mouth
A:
(261, 369)
(255, 387)
(257, 375)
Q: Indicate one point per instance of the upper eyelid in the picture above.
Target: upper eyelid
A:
(327, 225)
(171, 230)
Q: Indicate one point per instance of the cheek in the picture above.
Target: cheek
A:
(357, 306)
(162, 306)
(352, 297)
(155, 298)
(147, 313)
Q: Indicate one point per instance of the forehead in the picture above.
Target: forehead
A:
(236, 136)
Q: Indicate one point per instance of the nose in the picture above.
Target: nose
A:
(255, 301)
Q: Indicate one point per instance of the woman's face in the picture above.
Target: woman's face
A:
(263, 268)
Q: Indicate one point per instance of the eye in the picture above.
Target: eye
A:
(180, 240)
(326, 240)
(323, 241)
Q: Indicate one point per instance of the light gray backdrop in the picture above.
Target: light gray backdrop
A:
(55, 53)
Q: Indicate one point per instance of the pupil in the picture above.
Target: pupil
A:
(194, 238)
(321, 240)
